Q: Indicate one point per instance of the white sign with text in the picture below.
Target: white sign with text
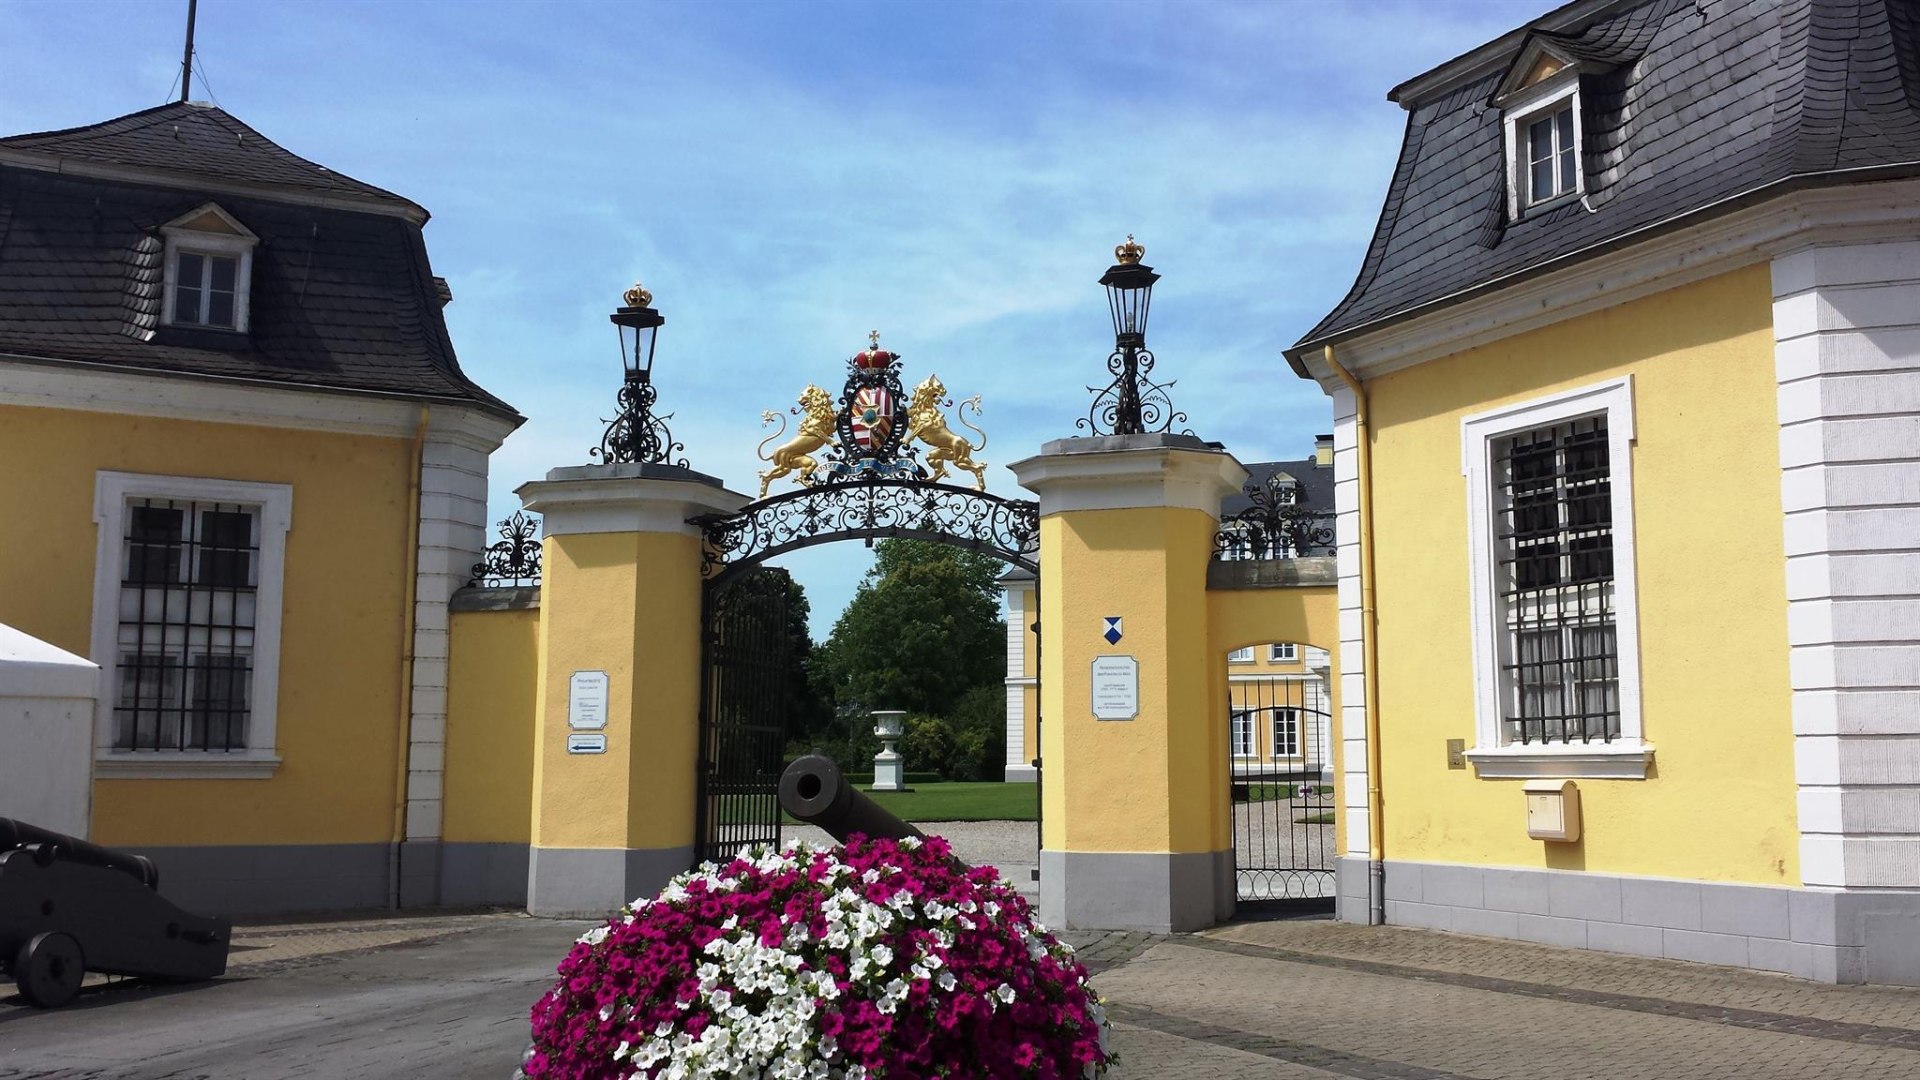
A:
(1116, 688)
(587, 701)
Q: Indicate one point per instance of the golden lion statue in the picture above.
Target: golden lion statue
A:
(925, 423)
(796, 454)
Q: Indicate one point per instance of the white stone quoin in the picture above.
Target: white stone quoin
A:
(46, 733)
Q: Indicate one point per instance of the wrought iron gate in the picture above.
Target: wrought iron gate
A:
(1279, 743)
(867, 482)
(743, 710)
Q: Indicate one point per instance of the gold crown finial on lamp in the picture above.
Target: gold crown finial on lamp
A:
(638, 296)
(1129, 253)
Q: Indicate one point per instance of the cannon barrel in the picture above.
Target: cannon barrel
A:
(814, 790)
(19, 834)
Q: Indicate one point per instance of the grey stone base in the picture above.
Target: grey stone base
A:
(1828, 935)
(273, 879)
(1157, 893)
(572, 883)
(474, 875)
(1352, 901)
(420, 874)
(1022, 774)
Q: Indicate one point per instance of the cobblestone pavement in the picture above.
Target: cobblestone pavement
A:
(1314, 998)
(447, 996)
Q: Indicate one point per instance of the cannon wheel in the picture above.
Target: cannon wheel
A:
(49, 969)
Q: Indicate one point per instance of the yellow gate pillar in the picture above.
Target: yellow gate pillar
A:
(1133, 767)
(617, 719)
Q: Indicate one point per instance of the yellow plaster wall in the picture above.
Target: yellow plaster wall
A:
(492, 687)
(340, 645)
(1719, 803)
(1149, 784)
(627, 604)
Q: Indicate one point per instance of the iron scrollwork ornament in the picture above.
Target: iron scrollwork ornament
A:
(635, 433)
(872, 508)
(1279, 524)
(1132, 404)
(514, 559)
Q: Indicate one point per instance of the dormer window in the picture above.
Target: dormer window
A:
(209, 270)
(1540, 106)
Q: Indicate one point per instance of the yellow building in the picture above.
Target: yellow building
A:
(254, 474)
(1627, 400)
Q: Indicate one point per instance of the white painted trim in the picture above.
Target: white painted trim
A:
(1614, 399)
(38, 383)
(624, 504)
(1125, 479)
(56, 163)
(110, 494)
(1621, 759)
(1524, 108)
(127, 765)
(1581, 283)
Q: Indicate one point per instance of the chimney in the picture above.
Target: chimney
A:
(1323, 451)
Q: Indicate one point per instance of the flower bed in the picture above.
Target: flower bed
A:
(881, 960)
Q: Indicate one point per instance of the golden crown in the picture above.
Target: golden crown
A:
(1130, 252)
(638, 296)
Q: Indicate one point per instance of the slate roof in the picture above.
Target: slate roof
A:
(191, 139)
(343, 295)
(1710, 105)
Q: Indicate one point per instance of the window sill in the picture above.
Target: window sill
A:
(1535, 209)
(156, 765)
(1624, 759)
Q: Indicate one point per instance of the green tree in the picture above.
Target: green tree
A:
(922, 630)
(807, 711)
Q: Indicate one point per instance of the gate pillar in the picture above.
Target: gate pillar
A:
(1133, 830)
(617, 717)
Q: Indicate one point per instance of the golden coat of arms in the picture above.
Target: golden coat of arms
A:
(875, 430)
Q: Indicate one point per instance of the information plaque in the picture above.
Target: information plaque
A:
(1116, 688)
(586, 742)
(587, 701)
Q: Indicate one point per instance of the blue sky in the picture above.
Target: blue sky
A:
(787, 176)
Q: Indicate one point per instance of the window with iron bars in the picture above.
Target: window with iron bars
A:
(188, 610)
(1286, 732)
(1553, 555)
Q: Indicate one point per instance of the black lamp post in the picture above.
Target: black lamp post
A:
(635, 434)
(1133, 404)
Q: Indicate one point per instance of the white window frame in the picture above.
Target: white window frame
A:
(1283, 653)
(1241, 656)
(1535, 103)
(112, 493)
(237, 245)
(1239, 720)
(1296, 714)
(1627, 756)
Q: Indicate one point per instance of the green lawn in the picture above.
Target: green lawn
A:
(962, 801)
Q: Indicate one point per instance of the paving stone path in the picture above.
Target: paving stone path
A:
(422, 998)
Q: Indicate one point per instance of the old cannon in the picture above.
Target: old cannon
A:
(814, 790)
(68, 907)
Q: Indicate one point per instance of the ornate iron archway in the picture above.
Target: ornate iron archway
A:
(862, 476)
